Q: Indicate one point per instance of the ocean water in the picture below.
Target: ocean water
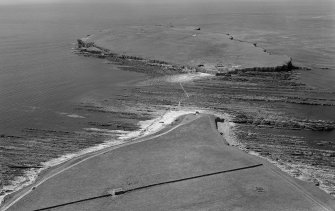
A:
(53, 101)
(43, 85)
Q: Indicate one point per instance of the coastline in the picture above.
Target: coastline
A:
(255, 58)
(146, 128)
(57, 165)
(133, 134)
(309, 193)
(91, 46)
(149, 129)
(283, 117)
(304, 173)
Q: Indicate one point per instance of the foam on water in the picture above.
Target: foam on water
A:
(179, 78)
(46, 54)
(31, 175)
(20, 182)
(187, 77)
(75, 116)
(147, 127)
(165, 118)
(106, 131)
(71, 115)
(304, 172)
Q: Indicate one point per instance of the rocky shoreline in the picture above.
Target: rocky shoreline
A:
(90, 46)
(219, 70)
(292, 124)
(265, 103)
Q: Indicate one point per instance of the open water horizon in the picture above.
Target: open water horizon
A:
(43, 83)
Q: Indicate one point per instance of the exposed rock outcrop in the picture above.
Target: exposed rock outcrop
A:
(293, 124)
(83, 43)
(94, 50)
(183, 50)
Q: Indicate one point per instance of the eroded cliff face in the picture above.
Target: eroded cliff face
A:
(182, 50)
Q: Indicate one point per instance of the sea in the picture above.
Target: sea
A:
(55, 104)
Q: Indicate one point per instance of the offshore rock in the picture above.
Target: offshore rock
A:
(83, 43)
(94, 50)
(293, 124)
(186, 48)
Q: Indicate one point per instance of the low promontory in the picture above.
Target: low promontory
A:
(186, 48)
(187, 166)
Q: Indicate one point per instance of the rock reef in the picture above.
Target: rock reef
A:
(187, 49)
(274, 114)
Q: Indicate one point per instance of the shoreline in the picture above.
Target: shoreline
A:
(286, 167)
(98, 45)
(149, 128)
(108, 54)
(310, 192)
(306, 172)
(129, 136)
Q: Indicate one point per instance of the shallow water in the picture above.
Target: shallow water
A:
(43, 85)
(49, 97)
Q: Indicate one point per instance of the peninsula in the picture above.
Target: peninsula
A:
(186, 166)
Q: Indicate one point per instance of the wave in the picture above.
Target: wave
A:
(147, 127)
(313, 174)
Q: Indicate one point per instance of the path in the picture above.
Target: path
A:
(188, 167)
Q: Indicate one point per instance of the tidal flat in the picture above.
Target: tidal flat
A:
(267, 103)
(56, 105)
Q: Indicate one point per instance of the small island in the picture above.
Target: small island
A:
(184, 49)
